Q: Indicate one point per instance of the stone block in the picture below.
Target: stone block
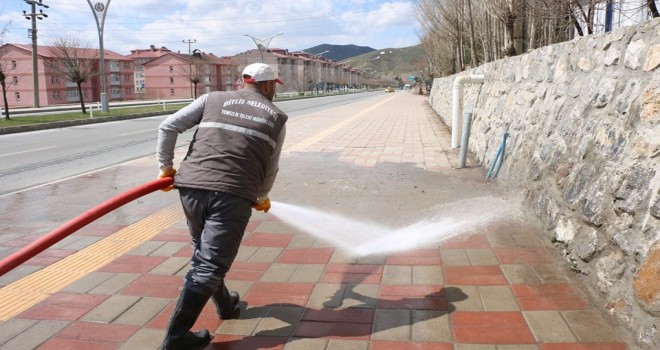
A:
(652, 58)
(631, 190)
(645, 283)
(634, 54)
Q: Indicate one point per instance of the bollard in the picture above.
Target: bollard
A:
(467, 121)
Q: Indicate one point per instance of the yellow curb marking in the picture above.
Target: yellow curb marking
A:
(30, 290)
(325, 133)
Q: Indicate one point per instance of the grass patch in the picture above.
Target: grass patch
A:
(18, 120)
(21, 119)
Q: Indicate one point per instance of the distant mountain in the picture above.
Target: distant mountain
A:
(401, 62)
(339, 52)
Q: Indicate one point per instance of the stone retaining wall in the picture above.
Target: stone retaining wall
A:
(584, 149)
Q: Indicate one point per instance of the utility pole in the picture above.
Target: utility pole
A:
(189, 42)
(33, 15)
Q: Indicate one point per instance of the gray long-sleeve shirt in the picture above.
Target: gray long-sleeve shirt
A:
(191, 116)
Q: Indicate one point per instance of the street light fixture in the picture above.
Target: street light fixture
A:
(262, 44)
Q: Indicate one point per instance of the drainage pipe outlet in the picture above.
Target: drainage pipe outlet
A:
(457, 105)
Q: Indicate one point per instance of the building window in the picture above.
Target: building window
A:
(127, 77)
(13, 64)
(171, 69)
(71, 94)
(85, 93)
(127, 91)
(54, 79)
(171, 80)
(127, 65)
(15, 80)
(172, 92)
(17, 95)
(56, 95)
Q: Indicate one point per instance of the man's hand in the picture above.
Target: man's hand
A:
(167, 172)
(263, 204)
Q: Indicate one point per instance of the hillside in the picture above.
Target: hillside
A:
(391, 62)
(339, 52)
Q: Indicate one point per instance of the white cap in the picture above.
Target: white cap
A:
(257, 72)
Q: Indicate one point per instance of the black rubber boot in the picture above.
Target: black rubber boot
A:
(187, 309)
(226, 303)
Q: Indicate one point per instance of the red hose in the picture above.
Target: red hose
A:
(14, 260)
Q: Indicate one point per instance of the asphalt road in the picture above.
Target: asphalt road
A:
(35, 158)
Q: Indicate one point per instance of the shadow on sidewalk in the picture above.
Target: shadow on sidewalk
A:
(353, 323)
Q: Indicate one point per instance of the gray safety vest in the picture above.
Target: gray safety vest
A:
(233, 144)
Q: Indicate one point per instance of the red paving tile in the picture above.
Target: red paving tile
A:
(101, 332)
(306, 256)
(157, 286)
(246, 271)
(527, 255)
(64, 307)
(185, 252)
(339, 315)
(549, 297)
(490, 328)
(395, 345)
(345, 273)
(76, 344)
(173, 235)
(267, 293)
(415, 257)
(133, 264)
(474, 275)
(237, 342)
(353, 331)
(277, 240)
(430, 297)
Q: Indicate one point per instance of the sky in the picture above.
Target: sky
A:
(218, 26)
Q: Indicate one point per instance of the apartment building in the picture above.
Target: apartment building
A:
(303, 72)
(55, 89)
(175, 75)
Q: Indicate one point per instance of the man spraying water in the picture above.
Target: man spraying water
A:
(230, 168)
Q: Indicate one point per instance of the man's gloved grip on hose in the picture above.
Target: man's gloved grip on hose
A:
(263, 204)
(167, 172)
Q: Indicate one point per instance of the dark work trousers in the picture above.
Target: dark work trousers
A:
(217, 222)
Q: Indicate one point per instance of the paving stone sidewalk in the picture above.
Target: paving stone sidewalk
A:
(385, 160)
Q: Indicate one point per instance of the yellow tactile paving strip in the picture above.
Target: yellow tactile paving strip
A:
(24, 293)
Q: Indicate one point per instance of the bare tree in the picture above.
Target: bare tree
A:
(4, 67)
(196, 70)
(653, 8)
(74, 61)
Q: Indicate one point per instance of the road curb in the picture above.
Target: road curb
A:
(76, 122)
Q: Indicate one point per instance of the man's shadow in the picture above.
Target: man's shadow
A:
(431, 306)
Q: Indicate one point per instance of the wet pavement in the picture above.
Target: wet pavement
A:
(385, 160)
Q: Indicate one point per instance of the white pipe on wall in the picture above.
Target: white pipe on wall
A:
(457, 105)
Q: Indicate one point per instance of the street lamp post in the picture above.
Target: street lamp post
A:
(262, 44)
(190, 63)
(317, 74)
(33, 15)
(100, 8)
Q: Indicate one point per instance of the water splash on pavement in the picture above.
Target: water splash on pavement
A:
(362, 238)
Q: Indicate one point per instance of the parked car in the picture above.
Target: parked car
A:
(389, 89)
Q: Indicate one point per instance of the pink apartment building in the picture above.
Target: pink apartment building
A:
(56, 90)
(168, 76)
